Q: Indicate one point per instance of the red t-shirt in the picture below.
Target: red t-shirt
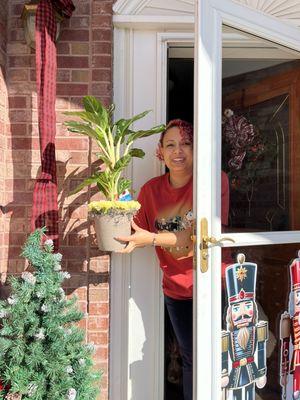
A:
(164, 208)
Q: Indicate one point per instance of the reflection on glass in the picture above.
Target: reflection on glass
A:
(260, 133)
(272, 301)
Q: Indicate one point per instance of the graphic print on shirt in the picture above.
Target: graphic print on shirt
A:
(179, 221)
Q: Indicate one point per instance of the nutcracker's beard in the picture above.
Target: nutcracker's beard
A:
(243, 337)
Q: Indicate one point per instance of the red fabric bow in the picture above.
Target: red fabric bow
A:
(45, 207)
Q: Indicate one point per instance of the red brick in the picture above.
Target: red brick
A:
(33, 129)
(72, 89)
(97, 323)
(102, 89)
(17, 185)
(101, 61)
(18, 75)
(17, 156)
(78, 212)
(80, 48)
(63, 75)
(16, 48)
(15, 266)
(19, 115)
(16, 35)
(80, 75)
(33, 74)
(17, 239)
(77, 240)
(82, 9)
(75, 281)
(102, 48)
(16, 211)
(17, 102)
(18, 129)
(22, 87)
(82, 305)
(76, 266)
(80, 22)
(103, 75)
(98, 308)
(78, 35)
(101, 352)
(102, 7)
(23, 197)
(102, 35)
(98, 295)
(73, 252)
(77, 158)
(72, 62)
(21, 143)
(63, 47)
(17, 9)
(20, 61)
(79, 292)
(98, 338)
(101, 21)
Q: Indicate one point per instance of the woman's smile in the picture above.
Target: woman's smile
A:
(178, 160)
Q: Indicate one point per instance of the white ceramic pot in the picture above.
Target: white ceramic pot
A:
(108, 227)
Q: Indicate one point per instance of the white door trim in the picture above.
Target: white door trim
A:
(121, 266)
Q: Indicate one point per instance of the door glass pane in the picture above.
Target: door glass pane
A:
(271, 297)
(260, 133)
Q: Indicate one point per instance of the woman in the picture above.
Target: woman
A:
(165, 221)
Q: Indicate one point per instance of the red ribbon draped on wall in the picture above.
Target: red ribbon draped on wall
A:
(45, 207)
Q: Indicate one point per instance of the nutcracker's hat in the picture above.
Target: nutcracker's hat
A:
(295, 274)
(241, 282)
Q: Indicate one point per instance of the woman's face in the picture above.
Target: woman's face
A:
(177, 151)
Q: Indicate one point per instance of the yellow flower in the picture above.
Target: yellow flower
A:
(106, 206)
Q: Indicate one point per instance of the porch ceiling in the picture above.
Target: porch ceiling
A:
(287, 10)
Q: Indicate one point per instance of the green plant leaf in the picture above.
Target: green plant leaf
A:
(140, 134)
(84, 129)
(105, 159)
(136, 153)
(99, 119)
(92, 105)
(122, 163)
(123, 184)
(88, 130)
(124, 124)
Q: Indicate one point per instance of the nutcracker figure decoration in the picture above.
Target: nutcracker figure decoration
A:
(244, 341)
(290, 333)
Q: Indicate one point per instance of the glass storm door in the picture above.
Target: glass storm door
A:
(247, 180)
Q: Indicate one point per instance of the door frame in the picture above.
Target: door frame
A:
(121, 266)
(210, 15)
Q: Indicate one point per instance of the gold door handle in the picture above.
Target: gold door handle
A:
(213, 240)
(205, 241)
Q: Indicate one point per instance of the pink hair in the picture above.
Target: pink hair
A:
(185, 128)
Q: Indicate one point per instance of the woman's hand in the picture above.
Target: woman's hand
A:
(139, 238)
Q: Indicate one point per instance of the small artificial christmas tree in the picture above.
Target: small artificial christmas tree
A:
(42, 351)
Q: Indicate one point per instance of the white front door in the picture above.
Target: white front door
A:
(264, 209)
(143, 32)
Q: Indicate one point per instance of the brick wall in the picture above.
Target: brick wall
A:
(3, 126)
(84, 67)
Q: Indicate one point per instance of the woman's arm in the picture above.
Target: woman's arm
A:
(142, 238)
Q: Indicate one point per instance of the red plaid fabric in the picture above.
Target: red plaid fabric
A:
(45, 207)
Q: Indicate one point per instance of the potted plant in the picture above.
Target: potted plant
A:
(113, 215)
